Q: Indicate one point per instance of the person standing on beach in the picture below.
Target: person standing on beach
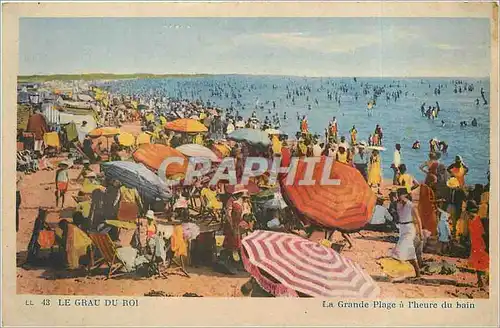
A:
(62, 180)
(396, 162)
(454, 200)
(406, 180)
(408, 247)
(37, 124)
(374, 174)
(353, 132)
(479, 259)
(458, 169)
(360, 160)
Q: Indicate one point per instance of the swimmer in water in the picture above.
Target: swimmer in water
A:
(416, 145)
(443, 146)
(442, 124)
(474, 122)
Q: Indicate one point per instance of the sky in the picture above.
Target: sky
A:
(396, 47)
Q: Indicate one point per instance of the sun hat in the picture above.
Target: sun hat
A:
(63, 163)
(150, 214)
(453, 183)
(239, 188)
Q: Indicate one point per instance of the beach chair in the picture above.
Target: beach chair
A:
(195, 199)
(105, 245)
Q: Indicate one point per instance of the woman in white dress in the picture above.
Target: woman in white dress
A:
(410, 232)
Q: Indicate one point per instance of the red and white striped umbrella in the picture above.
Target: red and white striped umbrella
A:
(299, 265)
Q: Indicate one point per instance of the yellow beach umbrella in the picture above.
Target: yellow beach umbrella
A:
(126, 139)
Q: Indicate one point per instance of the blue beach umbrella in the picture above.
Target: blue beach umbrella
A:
(252, 136)
(138, 176)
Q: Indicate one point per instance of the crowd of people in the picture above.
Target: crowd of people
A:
(447, 209)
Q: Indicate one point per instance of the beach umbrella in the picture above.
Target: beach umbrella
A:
(126, 139)
(284, 264)
(346, 206)
(272, 131)
(186, 125)
(138, 176)
(104, 132)
(252, 136)
(153, 155)
(195, 150)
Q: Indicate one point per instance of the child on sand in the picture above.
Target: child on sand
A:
(444, 232)
(62, 180)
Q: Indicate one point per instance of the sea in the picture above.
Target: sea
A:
(400, 119)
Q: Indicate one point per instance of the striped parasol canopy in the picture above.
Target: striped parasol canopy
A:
(347, 206)
(186, 125)
(153, 155)
(195, 150)
(286, 265)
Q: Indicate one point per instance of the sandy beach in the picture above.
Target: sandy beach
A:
(38, 190)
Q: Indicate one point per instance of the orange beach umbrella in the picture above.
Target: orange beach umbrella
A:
(186, 125)
(347, 206)
(153, 155)
(104, 132)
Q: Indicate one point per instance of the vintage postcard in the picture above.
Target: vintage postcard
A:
(225, 164)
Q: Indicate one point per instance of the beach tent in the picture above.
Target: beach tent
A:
(347, 205)
(57, 117)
